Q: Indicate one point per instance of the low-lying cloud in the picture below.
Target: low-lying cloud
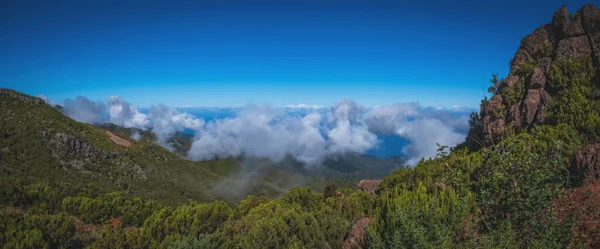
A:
(423, 127)
(308, 133)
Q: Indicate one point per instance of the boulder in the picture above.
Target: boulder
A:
(369, 185)
(537, 79)
(531, 105)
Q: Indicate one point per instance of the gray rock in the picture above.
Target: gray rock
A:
(63, 144)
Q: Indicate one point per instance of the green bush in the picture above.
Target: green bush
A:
(194, 219)
(132, 210)
(277, 224)
(520, 177)
(572, 91)
(421, 218)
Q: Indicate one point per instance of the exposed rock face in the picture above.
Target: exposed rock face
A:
(356, 237)
(63, 144)
(21, 97)
(585, 167)
(522, 98)
(369, 185)
(574, 47)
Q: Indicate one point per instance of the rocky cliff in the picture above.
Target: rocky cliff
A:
(525, 97)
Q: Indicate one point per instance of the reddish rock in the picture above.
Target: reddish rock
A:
(492, 127)
(534, 44)
(564, 27)
(355, 239)
(531, 105)
(595, 45)
(541, 115)
(544, 64)
(590, 16)
(494, 103)
(520, 57)
(369, 185)
(509, 81)
(513, 116)
(537, 79)
(585, 167)
(574, 47)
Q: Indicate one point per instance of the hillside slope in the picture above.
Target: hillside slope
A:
(38, 142)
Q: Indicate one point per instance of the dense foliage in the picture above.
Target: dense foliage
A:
(499, 196)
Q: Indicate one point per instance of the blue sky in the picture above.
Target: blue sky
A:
(231, 53)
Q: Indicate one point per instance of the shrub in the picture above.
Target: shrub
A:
(421, 218)
(520, 176)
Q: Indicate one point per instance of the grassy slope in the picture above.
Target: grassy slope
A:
(144, 169)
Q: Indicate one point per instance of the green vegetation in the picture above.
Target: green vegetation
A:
(65, 184)
(573, 90)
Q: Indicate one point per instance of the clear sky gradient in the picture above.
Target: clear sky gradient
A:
(231, 53)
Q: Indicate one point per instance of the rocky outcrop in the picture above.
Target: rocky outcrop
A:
(522, 98)
(356, 237)
(369, 185)
(63, 144)
(585, 166)
(590, 19)
(8, 93)
(573, 48)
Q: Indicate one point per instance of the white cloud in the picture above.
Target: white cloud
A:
(166, 122)
(308, 133)
(46, 99)
(126, 115)
(85, 110)
(304, 106)
(261, 132)
(272, 133)
(423, 127)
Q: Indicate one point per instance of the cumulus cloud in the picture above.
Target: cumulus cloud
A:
(84, 110)
(261, 132)
(124, 114)
(272, 133)
(166, 122)
(307, 133)
(348, 133)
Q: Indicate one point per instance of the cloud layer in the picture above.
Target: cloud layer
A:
(308, 133)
